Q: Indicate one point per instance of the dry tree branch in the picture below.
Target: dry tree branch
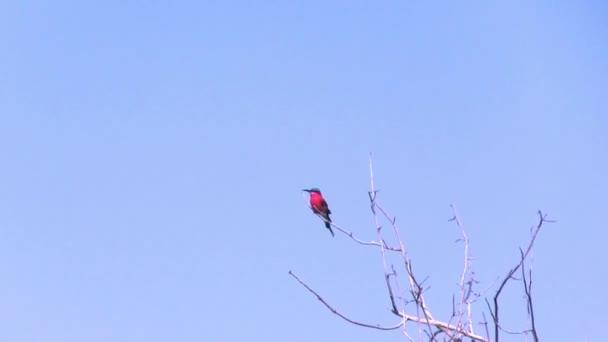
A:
(509, 276)
(373, 205)
(528, 292)
(408, 336)
(387, 277)
(445, 327)
(485, 324)
(333, 310)
(372, 198)
(511, 332)
(417, 291)
(370, 243)
(403, 301)
(414, 284)
(464, 292)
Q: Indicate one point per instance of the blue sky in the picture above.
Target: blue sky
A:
(153, 155)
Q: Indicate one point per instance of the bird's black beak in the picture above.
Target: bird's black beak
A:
(307, 190)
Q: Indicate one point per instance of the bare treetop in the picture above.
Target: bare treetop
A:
(413, 316)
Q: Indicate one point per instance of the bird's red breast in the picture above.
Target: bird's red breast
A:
(318, 202)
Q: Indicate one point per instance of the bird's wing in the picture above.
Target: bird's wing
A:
(325, 206)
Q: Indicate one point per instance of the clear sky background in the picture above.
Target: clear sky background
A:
(153, 154)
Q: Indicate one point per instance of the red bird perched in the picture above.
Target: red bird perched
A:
(319, 206)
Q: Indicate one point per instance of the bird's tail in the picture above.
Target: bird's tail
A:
(328, 226)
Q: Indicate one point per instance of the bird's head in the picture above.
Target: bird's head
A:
(312, 190)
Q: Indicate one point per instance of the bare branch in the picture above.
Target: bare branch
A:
(416, 288)
(485, 324)
(390, 292)
(403, 301)
(408, 336)
(444, 327)
(465, 292)
(372, 198)
(495, 315)
(338, 313)
(528, 292)
(365, 243)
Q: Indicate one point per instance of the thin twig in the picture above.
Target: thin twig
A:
(338, 313)
(387, 277)
(403, 300)
(464, 293)
(372, 198)
(485, 324)
(415, 285)
(408, 336)
(528, 291)
(416, 289)
(365, 243)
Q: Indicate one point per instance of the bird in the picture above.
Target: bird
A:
(319, 206)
